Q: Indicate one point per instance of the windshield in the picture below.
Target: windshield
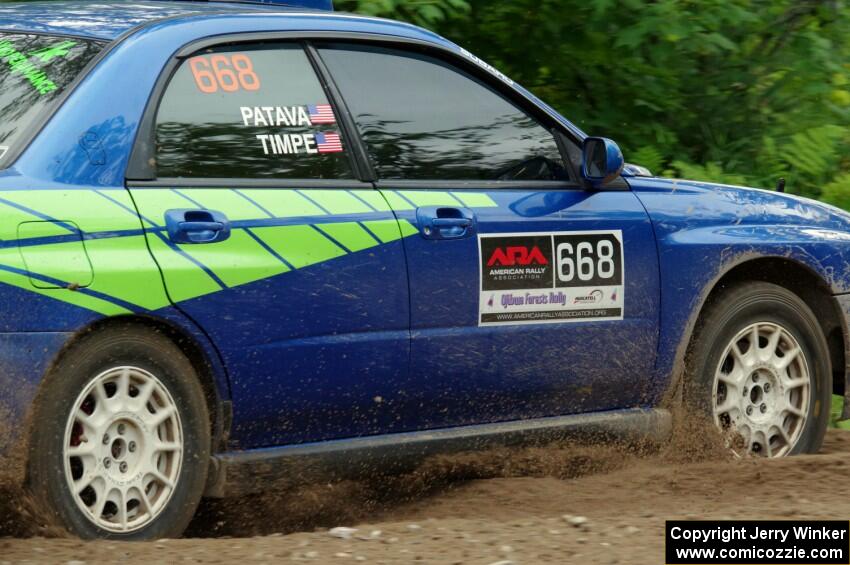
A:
(34, 71)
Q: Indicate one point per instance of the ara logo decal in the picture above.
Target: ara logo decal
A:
(523, 256)
(550, 277)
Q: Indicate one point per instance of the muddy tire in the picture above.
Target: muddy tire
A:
(759, 367)
(121, 438)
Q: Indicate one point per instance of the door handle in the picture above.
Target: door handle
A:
(445, 222)
(451, 223)
(196, 226)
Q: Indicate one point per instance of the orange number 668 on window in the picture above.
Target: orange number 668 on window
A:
(224, 72)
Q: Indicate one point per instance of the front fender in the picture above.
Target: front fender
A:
(693, 261)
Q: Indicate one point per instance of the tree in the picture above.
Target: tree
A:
(740, 91)
(426, 13)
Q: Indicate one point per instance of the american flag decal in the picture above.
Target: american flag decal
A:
(321, 114)
(328, 142)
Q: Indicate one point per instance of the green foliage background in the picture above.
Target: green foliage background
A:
(735, 91)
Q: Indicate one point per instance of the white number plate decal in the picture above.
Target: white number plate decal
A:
(536, 278)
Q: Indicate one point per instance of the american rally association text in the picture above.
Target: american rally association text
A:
(726, 535)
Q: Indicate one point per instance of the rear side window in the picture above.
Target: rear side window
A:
(34, 72)
(253, 111)
(423, 119)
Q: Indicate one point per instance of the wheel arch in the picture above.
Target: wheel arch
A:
(202, 356)
(795, 276)
(811, 288)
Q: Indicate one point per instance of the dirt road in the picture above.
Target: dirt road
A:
(572, 506)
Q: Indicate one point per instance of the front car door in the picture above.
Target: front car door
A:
(267, 241)
(530, 296)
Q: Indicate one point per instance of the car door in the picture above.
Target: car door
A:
(268, 242)
(530, 295)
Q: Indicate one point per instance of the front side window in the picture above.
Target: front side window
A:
(34, 72)
(423, 119)
(255, 111)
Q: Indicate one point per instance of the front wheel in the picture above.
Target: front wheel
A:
(120, 441)
(759, 368)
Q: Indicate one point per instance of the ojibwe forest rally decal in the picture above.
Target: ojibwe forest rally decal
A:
(535, 278)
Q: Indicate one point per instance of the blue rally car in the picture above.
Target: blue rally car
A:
(248, 245)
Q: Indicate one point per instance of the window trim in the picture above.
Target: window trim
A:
(197, 182)
(442, 185)
(544, 119)
(375, 38)
(139, 168)
(617, 185)
(358, 154)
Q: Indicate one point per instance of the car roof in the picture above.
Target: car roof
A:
(108, 20)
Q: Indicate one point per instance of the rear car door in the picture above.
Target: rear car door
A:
(269, 243)
(530, 295)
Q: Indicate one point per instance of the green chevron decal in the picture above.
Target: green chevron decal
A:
(89, 248)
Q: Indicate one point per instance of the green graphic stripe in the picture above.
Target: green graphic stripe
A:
(13, 217)
(301, 246)
(87, 209)
(338, 202)
(351, 235)
(430, 198)
(238, 260)
(396, 202)
(153, 203)
(373, 198)
(64, 261)
(283, 203)
(185, 279)
(385, 230)
(230, 202)
(122, 267)
(406, 228)
(475, 199)
(76, 298)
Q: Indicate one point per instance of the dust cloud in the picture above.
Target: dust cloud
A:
(279, 510)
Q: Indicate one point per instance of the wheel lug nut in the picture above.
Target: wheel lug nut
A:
(767, 387)
(105, 439)
(120, 429)
(763, 408)
(755, 377)
(749, 410)
(107, 462)
(746, 391)
(123, 467)
(132, 446)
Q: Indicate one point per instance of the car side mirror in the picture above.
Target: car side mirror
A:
(601, 161)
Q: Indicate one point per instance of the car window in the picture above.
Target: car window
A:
(34, 72)
(424, 119)
(255, 111)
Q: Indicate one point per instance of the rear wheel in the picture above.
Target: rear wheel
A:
(120, 442)
(759, 368)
